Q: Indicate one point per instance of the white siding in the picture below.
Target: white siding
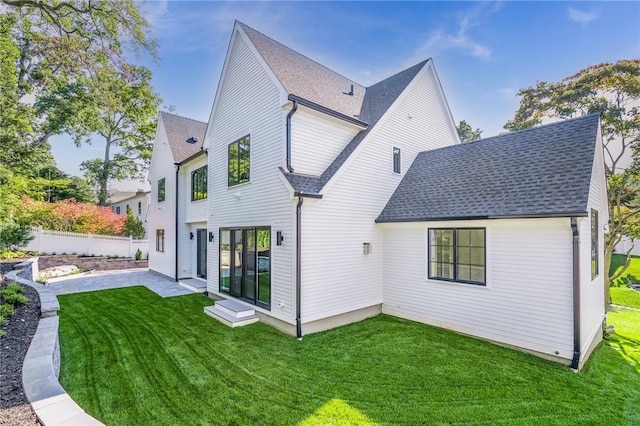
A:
(528, 298)
(162, 215)
(316, 140)
(248, 103)
(337, 276)
(142, 214)
(189, 212)
(592, 290)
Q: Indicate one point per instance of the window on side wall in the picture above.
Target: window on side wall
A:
(239, 161)
(139, 207)
(457, 255)
(199, 184)
(161, 190)
(594, 243)
(117, 209)
(160, 240)
(396, 160)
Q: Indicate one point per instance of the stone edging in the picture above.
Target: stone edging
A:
(41, 367)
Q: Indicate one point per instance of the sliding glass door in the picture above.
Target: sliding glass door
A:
(245, 264)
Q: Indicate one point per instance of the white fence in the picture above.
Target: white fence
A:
(625, 244)
(45, 241)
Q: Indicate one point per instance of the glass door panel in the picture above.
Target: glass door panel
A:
(249, 282)
(237, 262)
(201, 255)
(264, 266)
(225, 259)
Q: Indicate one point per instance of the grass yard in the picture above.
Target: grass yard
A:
(131, 357)
(631, 274)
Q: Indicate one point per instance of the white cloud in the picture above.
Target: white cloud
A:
(581, 16)
(461, 39)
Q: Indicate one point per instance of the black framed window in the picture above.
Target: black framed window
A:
(139, 207)
(161, 190)
(160, 240)
(396, 160)
(117, 209)
(458, 254)
(199, 184)
(594, 243)
(239, 164)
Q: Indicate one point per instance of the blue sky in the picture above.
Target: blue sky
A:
(484, 52)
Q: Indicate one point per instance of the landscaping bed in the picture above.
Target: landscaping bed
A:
(19, 329)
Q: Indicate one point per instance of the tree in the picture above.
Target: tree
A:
(133, 227)
(466, 132)
(58, 185)
(120, 106)
(613, 90)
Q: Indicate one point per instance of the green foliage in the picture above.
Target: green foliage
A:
(12, 254)
(14, 236)
(133, 226)
(138, 254)
(383, 370)
(6, 310)
(12, 294)
(466, 132)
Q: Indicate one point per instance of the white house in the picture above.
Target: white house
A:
(139, 204)
(330, 202)
(178, 210)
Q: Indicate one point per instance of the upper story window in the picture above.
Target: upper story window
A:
(458, 254)
(199, 184)
(396, 160)
(117, 209)
(139, 207)
(238, 160)
(161, 190)
(594, 243)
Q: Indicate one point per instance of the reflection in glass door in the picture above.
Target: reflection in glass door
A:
(245, 264)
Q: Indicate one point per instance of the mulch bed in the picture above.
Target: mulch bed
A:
(14, 408)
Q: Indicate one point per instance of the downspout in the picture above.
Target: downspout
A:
(176, 233)
(298, 262)
(289, 115)
(575, 362)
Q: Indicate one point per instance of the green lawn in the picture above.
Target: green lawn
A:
(630, 275)
(131, 357)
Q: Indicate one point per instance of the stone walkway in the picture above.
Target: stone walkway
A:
(102, 280)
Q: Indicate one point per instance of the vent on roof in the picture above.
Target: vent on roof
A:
(350, 93)
(192, 139)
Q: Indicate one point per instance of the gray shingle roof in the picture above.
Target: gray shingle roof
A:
(306, 78)
(541, 171)
(179, 129)
(377, 100)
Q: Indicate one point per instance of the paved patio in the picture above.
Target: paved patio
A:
(102, 280)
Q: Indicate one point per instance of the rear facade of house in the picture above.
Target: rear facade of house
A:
(307, 178)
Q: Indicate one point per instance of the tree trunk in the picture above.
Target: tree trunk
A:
(104, 178)
(608, 253)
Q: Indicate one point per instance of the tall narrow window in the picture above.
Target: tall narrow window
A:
(160, 240)
(457, 254)
(199, 184)
(396, 160)
(594, 243)
(139, 207)
(117, 209)
(161, 190)
(239, 161)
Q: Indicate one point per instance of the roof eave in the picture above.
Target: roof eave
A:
(487, 217)
(191, 157)
(317, 107)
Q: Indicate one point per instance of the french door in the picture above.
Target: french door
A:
(245, 264)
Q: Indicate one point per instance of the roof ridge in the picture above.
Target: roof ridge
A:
(243, 25)
(421, 63)
(183, 117)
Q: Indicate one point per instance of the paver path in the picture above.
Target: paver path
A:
(102, 280)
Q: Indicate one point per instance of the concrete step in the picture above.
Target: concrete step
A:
(193, 284)
(235, 308)
(227, 319)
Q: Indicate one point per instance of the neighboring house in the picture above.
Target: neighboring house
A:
(330, 202)
(137, 201)
(178, 177)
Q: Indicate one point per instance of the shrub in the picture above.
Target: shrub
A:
(12, 254)
(133, 227)
(12, 294)
(14, 236)
(138, 254)
(6, 310)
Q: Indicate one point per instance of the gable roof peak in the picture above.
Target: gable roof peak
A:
(179, 130)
